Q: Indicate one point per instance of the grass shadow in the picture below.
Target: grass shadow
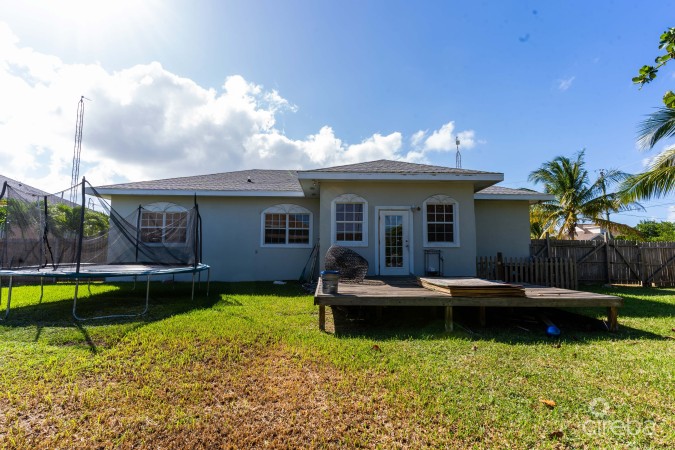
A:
(165, 300)
(507, 325)
(638, 300)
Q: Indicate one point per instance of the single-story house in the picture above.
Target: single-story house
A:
(263, 224)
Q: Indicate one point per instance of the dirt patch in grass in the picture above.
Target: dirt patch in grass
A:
(266, 397)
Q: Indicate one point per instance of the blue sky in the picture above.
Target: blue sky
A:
(182, 88)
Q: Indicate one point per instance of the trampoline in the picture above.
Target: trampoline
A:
(84, 238)
(89, 272)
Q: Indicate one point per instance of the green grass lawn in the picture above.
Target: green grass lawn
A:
(248, 368)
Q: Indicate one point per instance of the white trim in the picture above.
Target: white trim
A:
(349, 198)
(201, 193)
(411, 234)
(164, 207)
(286, 208)
(441, 199)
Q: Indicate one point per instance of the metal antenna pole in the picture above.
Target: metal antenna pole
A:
(458, 156)
(77, 149)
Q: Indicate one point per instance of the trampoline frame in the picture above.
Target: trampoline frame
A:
(147, 271)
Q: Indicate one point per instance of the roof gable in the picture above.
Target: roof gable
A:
(394, 167)
(386, 170)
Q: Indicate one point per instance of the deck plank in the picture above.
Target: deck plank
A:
(407, 292)
(402, 292)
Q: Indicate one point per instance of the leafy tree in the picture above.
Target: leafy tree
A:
(652, 231)
(576, 197)
(659, 178)
(657, 231)
(65, 221)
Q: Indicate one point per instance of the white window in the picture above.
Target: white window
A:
(349, 224)
(163, 223)
(286, 225)
(440, 216)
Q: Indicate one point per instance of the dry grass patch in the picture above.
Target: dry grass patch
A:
(269, 397)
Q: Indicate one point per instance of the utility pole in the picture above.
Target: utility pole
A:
(458, 156)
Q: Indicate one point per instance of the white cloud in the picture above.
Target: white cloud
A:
(145, 122)
(443, 139)
(565, 84)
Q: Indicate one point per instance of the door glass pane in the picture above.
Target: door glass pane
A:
(393, 241)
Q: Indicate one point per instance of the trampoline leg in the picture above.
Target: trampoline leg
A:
(77, 285)
(147, 297)
(208, 281)
(193, 286)
(42, 289)
(9, 297)
(89, 286)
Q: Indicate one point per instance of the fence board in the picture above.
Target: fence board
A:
(552, 272)
(624, 262)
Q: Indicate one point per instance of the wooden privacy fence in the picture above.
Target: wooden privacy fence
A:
(551, 272)
(612, 261)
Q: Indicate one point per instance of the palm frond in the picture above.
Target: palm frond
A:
(657, 181)
(658, 125)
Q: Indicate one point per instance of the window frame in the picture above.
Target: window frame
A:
(349, 199)
(440, 199)
(162, 208)
(286, 210)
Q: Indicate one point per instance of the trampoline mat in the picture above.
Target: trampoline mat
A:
(101, 270)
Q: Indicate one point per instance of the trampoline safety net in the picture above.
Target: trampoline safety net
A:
(78, 227)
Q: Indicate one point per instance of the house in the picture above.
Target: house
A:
(588, 232)
(263, 224)
(31, 194)
(26, 191)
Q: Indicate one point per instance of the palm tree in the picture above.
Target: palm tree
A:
(657, 181)
(576, 198)
(659, 178)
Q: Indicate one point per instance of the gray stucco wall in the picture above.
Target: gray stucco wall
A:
(458, 261)
(231, 235)
(502, 226)
(232, 228)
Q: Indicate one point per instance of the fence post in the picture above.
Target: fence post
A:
(500, 267)
(641, 267)
(548, 245)
(609, 269)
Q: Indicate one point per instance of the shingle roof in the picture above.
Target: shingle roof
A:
(260, 180)
(500, 190)
(504, 193)
(21, 187)
(402, 167)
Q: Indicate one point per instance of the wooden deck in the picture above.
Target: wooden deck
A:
(407, 292)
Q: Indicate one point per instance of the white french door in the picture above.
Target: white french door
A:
(394, 250)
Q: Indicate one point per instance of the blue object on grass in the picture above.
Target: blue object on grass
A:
(552, 330)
